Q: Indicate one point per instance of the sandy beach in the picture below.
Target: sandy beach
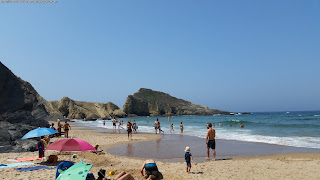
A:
(280, 166)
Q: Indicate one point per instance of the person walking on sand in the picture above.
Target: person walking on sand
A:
(114, 123)
(66, 128)
(41, 147)
(210, 141)
(181, 127)
(188, 158)
(129, 129)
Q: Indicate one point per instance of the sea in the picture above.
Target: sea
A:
(296, 129)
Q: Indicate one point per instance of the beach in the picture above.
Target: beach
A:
(280, 166)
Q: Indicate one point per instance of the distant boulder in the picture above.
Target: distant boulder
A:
(147, 102)
(80, 109)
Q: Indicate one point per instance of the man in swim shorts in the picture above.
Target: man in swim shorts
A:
(114, 123)
(151, 169)
(210, 141)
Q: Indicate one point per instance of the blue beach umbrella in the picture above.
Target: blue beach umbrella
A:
(39, 132)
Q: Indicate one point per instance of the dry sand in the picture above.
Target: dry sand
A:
(281, 166)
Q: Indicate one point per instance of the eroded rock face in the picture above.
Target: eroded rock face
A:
(80, 110)
(21, 109)
(147, 102)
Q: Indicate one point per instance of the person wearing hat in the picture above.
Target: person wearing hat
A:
(96, 146)
(188, 158)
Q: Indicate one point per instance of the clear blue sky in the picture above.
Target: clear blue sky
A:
(231, 55)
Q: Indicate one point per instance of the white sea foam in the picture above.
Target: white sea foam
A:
(222, 133)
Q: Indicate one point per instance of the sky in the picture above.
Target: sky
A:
(231, 55)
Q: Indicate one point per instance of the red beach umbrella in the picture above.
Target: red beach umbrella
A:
(69, 145)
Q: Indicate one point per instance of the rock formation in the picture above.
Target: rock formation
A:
(147, 102)
(21, 109)
(80, 110)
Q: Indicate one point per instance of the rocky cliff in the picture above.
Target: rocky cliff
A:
(147, 102)
(21, 110)
(80, 110)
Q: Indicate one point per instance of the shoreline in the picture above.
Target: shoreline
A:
(281, 166)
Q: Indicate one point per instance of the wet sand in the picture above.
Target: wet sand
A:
(171, 149)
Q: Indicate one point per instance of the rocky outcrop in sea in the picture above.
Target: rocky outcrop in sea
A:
(147, 102)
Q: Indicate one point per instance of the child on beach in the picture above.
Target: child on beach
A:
(188, 158)
(171, 128)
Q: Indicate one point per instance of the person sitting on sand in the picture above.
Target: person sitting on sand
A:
(52, 126)
(241, 125)
(66, 128)
(151, 169)
(210, 141)
(188, 158)
(129, 129)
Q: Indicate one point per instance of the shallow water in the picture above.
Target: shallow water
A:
(296, 129)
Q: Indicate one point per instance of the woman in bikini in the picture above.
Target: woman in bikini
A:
(66, 128)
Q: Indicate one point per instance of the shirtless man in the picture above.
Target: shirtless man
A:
(181, 127)
(114, 123)
(220, 124)
(129, 129)
(156, 126)
(210, 141)
(66, 128)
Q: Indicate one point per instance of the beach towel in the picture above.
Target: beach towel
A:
(16, 164)
(24, 159)
(33, 168)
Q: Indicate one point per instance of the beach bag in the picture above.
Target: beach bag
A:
(53, 159)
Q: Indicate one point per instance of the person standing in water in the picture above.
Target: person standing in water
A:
(159, 127)
(210, 141)
(129, 129)
(181, 127)
(104, 122)
(114, 123)
(220, 124)
(171, 128)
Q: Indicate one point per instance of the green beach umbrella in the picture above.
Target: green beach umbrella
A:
(78, 171)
